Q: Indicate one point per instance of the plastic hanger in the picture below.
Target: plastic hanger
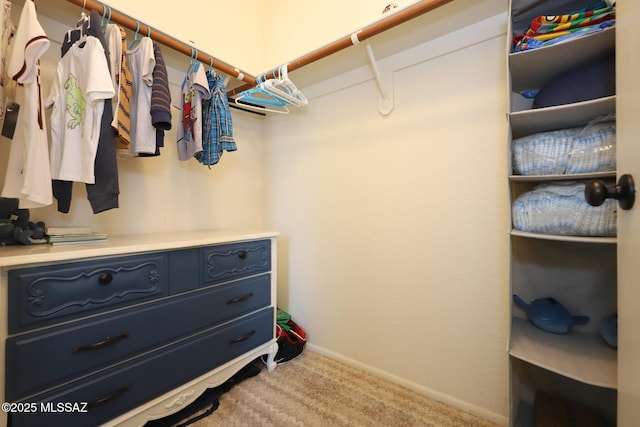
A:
(284, 88)
(135, 36)
(104, 14)
(288, 87)
(192, 64)
(193, 61)
(196, 63)
(137, 39)
(248, 99)
(190, 67)
(259, 99)
(83, 16)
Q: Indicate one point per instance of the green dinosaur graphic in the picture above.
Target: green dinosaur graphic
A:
(75, 102)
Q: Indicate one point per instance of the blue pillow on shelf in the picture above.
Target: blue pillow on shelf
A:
(595, 79)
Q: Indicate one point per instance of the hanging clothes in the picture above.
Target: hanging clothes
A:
(103, 195)
(195, 88)
(113, 39)
(122, 114)
(81, 85)
(160, 100)
(217, 127)
(141, 62)
(28, 175)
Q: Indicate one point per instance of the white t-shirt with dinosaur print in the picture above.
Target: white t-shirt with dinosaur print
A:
(81, 84)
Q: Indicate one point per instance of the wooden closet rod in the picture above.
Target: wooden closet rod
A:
(378, 27)
(160, 37)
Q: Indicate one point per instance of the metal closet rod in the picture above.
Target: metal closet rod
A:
(376, 28)
(143, 29)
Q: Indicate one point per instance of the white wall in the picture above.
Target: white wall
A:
(298, 27)
(231, 31)
(395, 229)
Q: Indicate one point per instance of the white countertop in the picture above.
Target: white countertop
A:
(15, 255)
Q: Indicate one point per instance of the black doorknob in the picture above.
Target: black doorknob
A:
(596, 192)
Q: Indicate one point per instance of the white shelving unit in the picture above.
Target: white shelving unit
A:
(579, 272)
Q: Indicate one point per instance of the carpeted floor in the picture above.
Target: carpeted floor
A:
(314, 390)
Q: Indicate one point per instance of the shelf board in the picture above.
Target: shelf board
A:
(531, 69)
(579, 239)
(580, 356)
(563, 177)
(528, 122)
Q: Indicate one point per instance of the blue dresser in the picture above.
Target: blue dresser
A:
(135, 329)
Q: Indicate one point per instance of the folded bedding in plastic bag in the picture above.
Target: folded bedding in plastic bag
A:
(560, 208)
(586, 149)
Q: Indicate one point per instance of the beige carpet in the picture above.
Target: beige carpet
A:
(314, 390)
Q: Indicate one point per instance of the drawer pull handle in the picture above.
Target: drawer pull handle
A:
(105, 278)
(240, 299)
(242, 338)
(106, 342)
(111, 397)
(242, 255)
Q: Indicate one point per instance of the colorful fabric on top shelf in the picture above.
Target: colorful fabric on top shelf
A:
(546, 30)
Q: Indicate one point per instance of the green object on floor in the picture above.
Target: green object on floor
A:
(282, 319)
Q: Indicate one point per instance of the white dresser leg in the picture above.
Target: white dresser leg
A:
(271, 364)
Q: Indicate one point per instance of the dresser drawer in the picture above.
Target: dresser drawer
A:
(47, 294)
(77, 348)
(122, 388)
(235, 260)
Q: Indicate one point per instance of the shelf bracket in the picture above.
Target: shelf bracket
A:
(385, 100)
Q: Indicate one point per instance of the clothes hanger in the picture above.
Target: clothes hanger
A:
(135, 36)
(190, 61)
(190, 68)
(104, 14)
(109, 18)
(282, 87)
(84, 18)
(196, 63)
(290, 88)
(83, 15)
(259, 99)
(247, 99)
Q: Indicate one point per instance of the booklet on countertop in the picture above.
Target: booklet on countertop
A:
(77, 238)
(73, 242)
(70, 235)
(69, 231)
